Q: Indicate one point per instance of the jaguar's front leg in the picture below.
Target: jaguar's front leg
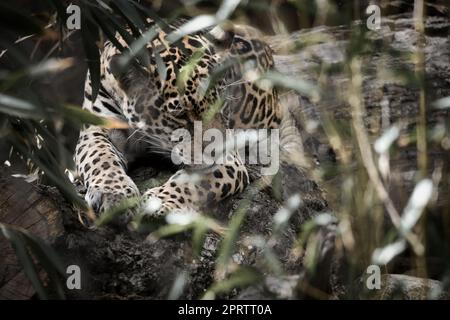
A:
(194, 189)
(102, 168)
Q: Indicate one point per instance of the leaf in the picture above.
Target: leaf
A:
(204, 21)
(161, 67)
(184, 218)
(147, 11)
(167, 231)
(282, 216)
(417, 202)
(127, 10)
(108, 28)
(138, 45)
(14, 53)
(230, 239)
(54, 173)
(49, 261)
(116, 26)
(383, 143)
(19, 108)
(277, 188)
(194, 25)
(443, 103)
(301, 86)
(178, 286)
(50, 66)
(44, 254)
(310, 226)
(382, 256)
(82, 116)
(272, 261)
(109, 215)
(89, 36)
(266, 248)
(188, 68)
(226, 9)
(212, 110)
(217, 74)
(45, 251)
(242, 277)
(11, 80)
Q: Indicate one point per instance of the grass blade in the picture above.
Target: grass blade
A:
(25, 259)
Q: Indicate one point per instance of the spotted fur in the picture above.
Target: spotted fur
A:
(155, 102)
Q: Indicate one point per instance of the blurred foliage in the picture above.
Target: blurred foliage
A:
(33, 253)
(371, 227)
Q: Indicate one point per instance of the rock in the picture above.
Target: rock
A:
(404, 287)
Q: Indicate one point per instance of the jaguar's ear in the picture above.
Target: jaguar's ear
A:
(127, 73)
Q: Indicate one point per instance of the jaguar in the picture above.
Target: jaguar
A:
(159, 97)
